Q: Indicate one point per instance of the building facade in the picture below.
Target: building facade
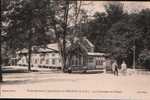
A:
(80, 56)
(43, 57)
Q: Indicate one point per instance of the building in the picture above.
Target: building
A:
(48, 57)
(80, 56)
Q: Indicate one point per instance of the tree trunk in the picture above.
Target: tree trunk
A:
(64, 33)
(55, 29)
(77, 12)
(0, 62)
(29, 59)
(29, 51)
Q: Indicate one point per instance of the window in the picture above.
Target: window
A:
(32, 60)
(35, 61)
(41, 61)
(59, 60)
(53, 61)
(73, 60)
(80, 60)
(47, 61)
(22, 60)
(53, 54)
(90, 59)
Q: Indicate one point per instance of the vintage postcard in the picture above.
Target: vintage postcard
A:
(68, 49)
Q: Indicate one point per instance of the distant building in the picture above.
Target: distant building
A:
(80, 55)
(48, 57)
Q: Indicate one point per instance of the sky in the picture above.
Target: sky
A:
(130, 6)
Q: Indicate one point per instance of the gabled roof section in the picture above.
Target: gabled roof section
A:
(53, 46)
(86, 41)
(83, 42)
(74, 46)
(24, 50)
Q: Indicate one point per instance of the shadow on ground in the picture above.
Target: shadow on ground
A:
(87, 72)
(17, 71)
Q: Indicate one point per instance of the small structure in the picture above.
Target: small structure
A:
(81, 56)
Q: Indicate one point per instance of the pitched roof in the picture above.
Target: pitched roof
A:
(53, 46)
(84, 43)
(24, 50)
(74, 46)
(85, 40)
(48, 48)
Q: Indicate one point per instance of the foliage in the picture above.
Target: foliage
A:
(144, 59)
(116, 32)
(142, 22)
(25, 23)
(34, 22)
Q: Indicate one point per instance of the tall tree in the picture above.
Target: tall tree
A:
(142, 23)
(98, 31)
(4, 5)
(27, 24)
(66, 10)
(121, 39)
(64, 14)
(102, 22)
(36, 19)
(0, 62)
(114, 11)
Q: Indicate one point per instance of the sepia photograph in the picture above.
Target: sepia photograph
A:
(75, 49)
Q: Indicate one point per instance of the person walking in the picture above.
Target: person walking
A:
(124, 68)
(115, 68)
